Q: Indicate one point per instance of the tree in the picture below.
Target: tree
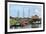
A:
(12, 21)
(31, 22)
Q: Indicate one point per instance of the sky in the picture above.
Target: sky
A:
(34, 10)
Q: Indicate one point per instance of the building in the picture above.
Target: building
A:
(36, 19)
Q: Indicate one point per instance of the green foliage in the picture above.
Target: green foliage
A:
(14, 22)
(31, 22)
(17, 23)
(17, 18)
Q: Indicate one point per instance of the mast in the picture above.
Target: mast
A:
(23, 12)
(29, 13)
(18, 13)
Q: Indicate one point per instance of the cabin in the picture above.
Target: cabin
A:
(36, 19)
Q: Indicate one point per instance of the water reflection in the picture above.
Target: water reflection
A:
(27, 26)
